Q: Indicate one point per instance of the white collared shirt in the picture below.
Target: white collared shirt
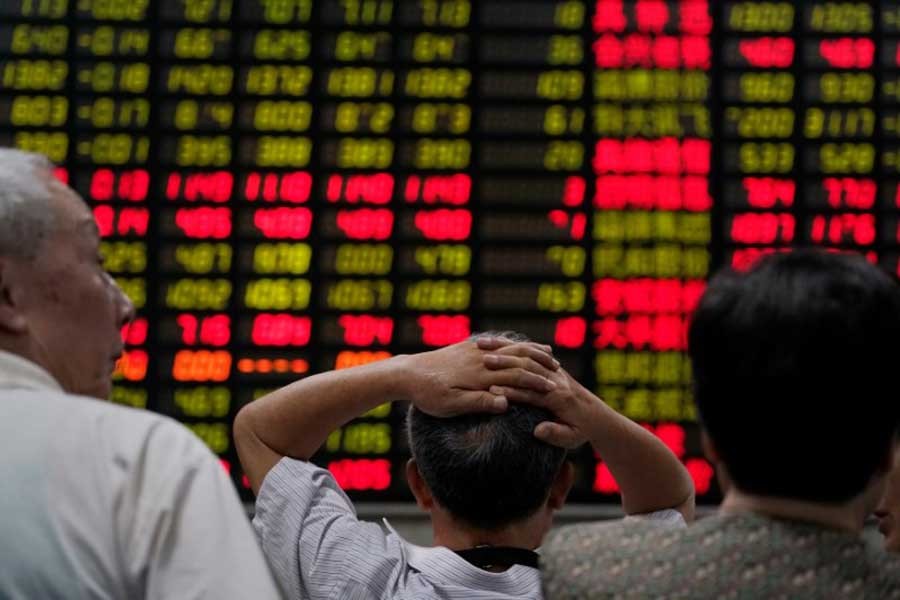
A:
(105, 502)
(319, 550)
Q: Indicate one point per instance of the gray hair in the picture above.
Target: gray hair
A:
(486, 470)
(26, 214)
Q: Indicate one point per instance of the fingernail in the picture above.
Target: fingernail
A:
(549, 385)
(491, 359)
(496, 390)
(555, 363)
(500, 403)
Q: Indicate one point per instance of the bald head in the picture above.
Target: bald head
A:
(26, 212)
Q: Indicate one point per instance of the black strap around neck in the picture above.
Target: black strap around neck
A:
(485, 557)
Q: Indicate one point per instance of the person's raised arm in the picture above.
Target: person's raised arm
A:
(295, 420)
(649, 475)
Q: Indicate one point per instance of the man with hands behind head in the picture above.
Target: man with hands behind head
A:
(488, 422)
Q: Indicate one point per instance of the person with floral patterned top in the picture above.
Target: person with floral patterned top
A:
(794, 366)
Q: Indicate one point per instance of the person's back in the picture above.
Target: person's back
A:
(95, 501)
(487, 468)
(793, 366)
(727, 555)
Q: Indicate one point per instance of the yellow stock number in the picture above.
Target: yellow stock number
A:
(761, 16)
(766, 158)
(361, 438)
(360, 294)
(281, 257)
(198, 294)
(438, 294)
(847, 87)
(363, 259)
(444, 259)
(767, 87)
(39, 111)
(561, 297)
(445, 13)
(203, 258)
(278, 294)
(571, 259)
(203, 402)
(847, 158)
(281, 44)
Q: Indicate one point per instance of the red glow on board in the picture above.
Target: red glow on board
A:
(444, 224)
(645, 51)
(670, 434)
(283, 223)
(132, 365)
(265, 366)
(226, 465)
(204, 223)
(135, 333)
(848, 53)
(658, 332)
(366, 223)
(653, 16)
(695, 17)
(576, 223)
(367, 189)
(285, 187)
(442, 330)
(201, 365)
(366, 330)
(648, 192)
(280, 329)
(609, 15)
(762, 228)
(767, 192)
(847, 192)
(454, 190)
(362, 473)
(347, 359)
(743, 259)
(844, 228)
(667, 156)
(573, 192)
(62, 174)
(209, 187)
(701, 473)
(646, 295)
(768, 52)
(122, 222)
(570, 332)
(604, 482)
(213, 330)
(128, 185)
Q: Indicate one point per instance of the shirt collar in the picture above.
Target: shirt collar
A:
(440, 564)
(19, 372)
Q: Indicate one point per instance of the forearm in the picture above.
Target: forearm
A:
(295, 420)
(649, 475)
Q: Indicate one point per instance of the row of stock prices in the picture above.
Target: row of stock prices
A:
(286, 187)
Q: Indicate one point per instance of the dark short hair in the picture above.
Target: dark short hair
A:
(488, 471)
(795, 366)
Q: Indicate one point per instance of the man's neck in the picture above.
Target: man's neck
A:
(846, 517)
(450, 533)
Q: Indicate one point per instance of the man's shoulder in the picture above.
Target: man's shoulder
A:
(591, 542)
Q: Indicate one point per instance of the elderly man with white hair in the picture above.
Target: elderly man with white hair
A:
(96, 500)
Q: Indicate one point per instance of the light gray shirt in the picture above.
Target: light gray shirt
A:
(105, 502)
(319, 550)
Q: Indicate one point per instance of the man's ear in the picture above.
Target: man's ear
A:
(559, 491)
(12, 318)
(418, 486)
